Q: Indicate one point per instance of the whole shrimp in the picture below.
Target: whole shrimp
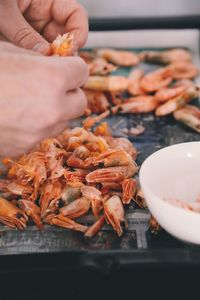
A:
(134, 87)
(157, 79)
(120, 58)
(178, 88)
(166, 57)
(178, 102)
(140, 104)
(189, 115)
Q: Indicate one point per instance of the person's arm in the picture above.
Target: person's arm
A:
(33, 24)
(38, 95)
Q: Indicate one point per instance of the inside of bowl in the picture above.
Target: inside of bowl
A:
(174, 172)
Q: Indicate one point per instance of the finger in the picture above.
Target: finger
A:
(52, 30)
(18, 31)
(73, 71)
(73, 17)
(73, 105)
(10, 48)
(56, 130)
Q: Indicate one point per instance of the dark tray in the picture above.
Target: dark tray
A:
(20, 250)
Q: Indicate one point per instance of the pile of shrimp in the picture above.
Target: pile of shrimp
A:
(166, 90)
(65, 178)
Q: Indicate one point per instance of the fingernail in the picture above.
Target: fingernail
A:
(42, 48)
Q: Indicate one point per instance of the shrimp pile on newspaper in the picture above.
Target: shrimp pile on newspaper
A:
(65, 178)
(167, 90)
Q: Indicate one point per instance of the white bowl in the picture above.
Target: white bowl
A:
(173, 172)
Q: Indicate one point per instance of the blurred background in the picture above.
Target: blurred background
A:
(141, 8)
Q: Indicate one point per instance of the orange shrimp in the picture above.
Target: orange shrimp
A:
(65, 222)
(122, 144)
(178, 102)
(95, 197)
(114, 214)
(64, 45)
(120, 58)
(140, 104)
(166, 57)
(189, 115)
(76, 209)
(100, 66)
(129, 187)
(183, 70)
(116, 174)
(97, 101)
(11, 215)
(32, 210)
(157, 79)
(112, 158)
(134, 87)
(94, 229)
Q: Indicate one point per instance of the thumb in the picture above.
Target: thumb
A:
(18, 31)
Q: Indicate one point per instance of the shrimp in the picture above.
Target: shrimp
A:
(178, 102)
(157, 79)
(49, 192)
(120, 58)
(76, 209)
(112, 174)
(153, 225)
(97, 101)
(134, 87)
(189, 115)
(114, 214)
(95, 197)
(140, 104)
(129, 187)
(70, 193)
(32, 210)
(64, 45)
(183, 70)
(166, 57)
(92, 230)
(107, 83)
(100, 66)
(139, 198)
(91, 121)
(103, 129)
(122, 144)
(112, 158)
(11, 215)
(178, 88)
(65, 222)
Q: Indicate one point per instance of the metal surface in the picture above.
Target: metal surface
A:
(137, 245)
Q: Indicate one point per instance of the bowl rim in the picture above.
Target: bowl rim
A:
(141, 180)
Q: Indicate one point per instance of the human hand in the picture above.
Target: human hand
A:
(33, 24)
(38, 96)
